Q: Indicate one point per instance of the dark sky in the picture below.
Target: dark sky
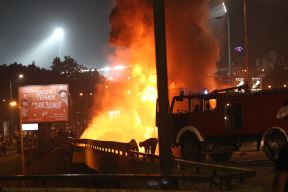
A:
(26, 24)
(267, 28)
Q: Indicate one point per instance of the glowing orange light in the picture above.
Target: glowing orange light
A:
(13, 103)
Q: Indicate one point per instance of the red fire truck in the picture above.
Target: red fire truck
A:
(224, 121)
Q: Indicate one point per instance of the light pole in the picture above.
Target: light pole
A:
(246, 60)
(222, 11)
(85, 95)
(228, 38)
(22, 160)
(20, 76)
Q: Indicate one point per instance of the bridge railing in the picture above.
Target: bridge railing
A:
(221, 175)
(117, 148)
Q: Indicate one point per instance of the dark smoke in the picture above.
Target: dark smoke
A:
(124, 19)
(192, 51)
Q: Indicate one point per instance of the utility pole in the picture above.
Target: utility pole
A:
(246, 60)
(11, 124)
(164, 128)
(23, 172)
(229, 40)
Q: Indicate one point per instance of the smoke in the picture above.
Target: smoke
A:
(126, 109)
(192, 50)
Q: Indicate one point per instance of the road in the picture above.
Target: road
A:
(256, 161)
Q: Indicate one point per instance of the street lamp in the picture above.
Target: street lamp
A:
(229, 38)
(14, 104)
(219, 12)
(246, 60)
(85, 95)
(58, 35)
(20, 76)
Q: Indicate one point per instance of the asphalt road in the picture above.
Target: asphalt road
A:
(52, 164)
(257, 161)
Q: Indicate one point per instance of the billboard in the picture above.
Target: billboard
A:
(44, 103)
(30, 127)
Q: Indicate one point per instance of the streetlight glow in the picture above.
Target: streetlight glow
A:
(224, 7)
(58, 33)
(13, 103)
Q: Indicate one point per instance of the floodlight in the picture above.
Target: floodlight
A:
(58, 33)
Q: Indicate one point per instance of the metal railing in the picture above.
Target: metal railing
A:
(217, 175)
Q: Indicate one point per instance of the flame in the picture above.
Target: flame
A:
(126, 109)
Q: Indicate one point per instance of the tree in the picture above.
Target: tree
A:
(67, 68)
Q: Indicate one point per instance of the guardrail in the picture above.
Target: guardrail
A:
(106, 181)
(217, 175)
(222, 175)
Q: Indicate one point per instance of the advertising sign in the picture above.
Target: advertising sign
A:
(30, 127)
(44, 103)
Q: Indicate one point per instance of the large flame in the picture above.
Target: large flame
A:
(126, 109)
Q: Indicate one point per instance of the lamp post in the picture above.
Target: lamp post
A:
(228, 38)
(85, 95)
(246, 60)
(224, 11)
(20, 76)
(22, 159)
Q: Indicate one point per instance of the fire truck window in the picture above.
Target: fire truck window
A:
(195, 105)
(233, 118)
(181, 106)
(209, 105)
(213, 104)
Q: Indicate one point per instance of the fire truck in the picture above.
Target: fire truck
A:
(224, 121)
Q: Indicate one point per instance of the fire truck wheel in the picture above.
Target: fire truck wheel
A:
(272, 144)
(220, 157)
(191, 149)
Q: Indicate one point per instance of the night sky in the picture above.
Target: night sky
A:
(267, 29)
(26, 24)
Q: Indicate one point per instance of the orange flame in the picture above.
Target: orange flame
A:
(126, 110)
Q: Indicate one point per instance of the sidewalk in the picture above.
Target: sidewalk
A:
(10, 164)
(55, 161)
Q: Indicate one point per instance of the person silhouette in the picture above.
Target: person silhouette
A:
(149, 145)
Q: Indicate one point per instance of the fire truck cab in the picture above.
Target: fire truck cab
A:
(224, 121)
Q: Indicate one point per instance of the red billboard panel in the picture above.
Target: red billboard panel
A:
(44, 103)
